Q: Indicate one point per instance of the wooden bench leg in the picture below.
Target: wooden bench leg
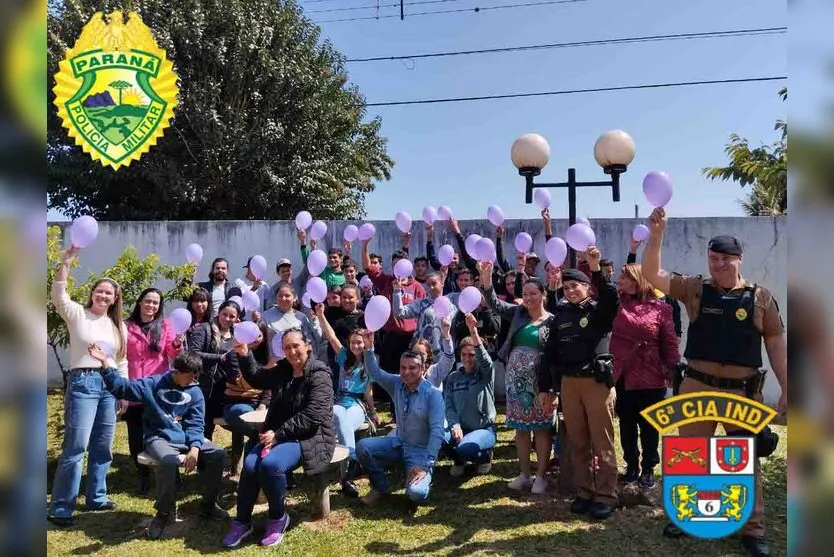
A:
(320, 496)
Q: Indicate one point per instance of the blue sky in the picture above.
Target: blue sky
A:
(458, 153)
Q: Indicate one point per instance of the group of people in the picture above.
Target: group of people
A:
(580, 340)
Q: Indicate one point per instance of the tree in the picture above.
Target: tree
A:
(121, 85)
(267, 123)
(133, 274)
(765, 168)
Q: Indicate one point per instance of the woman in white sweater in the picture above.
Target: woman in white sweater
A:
(89, 409)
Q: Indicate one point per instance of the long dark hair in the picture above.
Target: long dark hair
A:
(352, 360)
(261, 353)
(155, 325)
(199, 295)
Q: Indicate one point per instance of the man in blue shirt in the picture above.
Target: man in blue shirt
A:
(419, 412)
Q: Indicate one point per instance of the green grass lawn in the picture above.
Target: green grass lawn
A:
(473, 515)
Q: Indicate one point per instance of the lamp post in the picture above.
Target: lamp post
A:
(613, 151)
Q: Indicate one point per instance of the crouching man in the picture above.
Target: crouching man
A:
(173, 424)
(419, 411)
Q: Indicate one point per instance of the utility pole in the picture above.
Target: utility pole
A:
(402, 10)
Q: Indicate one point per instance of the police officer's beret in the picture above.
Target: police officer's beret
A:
(725, 244)
(574, 274)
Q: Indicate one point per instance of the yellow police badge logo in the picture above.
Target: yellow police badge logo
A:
(583, 322)
(116, 90)
(741, 314)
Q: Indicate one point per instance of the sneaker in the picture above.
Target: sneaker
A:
(213, 512)
(107, 506)
(755, 546)
(275, 531)
(580, 505)
(539, 486)
(647, 479)
(520, 483)
(457, 470)
(629, 477)
(484, 468)
(238, 531)
(349, 489)
(372, 498)
(62, 521)
(672, 531)
(157, 526)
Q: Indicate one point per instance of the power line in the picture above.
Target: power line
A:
(378, 6)
(457, 10)
(576, 91)
(623, 40)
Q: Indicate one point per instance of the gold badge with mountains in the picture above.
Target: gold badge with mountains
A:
(116, 90)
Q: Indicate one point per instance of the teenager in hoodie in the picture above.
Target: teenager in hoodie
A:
(173, 422)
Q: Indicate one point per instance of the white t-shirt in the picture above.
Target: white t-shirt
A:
(218, 296)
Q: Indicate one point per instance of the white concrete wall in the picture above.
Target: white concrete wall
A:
(765, 241)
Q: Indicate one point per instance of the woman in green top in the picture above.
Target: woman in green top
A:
(521, 351)
(354, 397)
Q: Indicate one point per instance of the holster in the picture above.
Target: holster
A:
(603, 369)
(678, 371)
(755, 385)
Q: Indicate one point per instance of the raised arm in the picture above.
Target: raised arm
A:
(470, 263)
(430, 254)
(547, 224)
(608, 299)
(439, 371)
(652, 270)
(327, 330)
(387, 381)
(400, 310)
(483, 362)
(500, 258)
(504, 309)
(66, 308)
(257, 378)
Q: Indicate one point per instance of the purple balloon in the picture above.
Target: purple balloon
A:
(556, 250)
(238, 300)
(486, 250)
(318, 230)
(247, 332)
(469, 300)
(367, 231)
(194, 253)
(403, 269)
(523, 242)
(106, 347)
(495, 215)
(542, 197)
(657, 187)
(583, 220)
(444, 213)
(83, 231)
(640, 232)
(317, 289)
(277, 345)
(316, 262)
(305, 300)
(251, 301)
(377, 313)
(403, 221)
(429, 214)
(580, 237)
(258, 266)
(471, 243)
(445, 254)
(303, 220)
(351, 233)
(180, 320)
(366, 282)
(443, 307)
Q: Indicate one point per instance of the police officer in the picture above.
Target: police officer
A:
(728, 320)
(576, 359)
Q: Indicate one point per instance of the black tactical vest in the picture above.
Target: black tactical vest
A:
(724, 332)
(578, 338)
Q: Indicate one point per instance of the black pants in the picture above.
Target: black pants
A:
(214, 397)
(135, 436)
(629, 405)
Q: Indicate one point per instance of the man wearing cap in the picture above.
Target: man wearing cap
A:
(576, 364)
(258, 286)
(728, 320)
(283, 273)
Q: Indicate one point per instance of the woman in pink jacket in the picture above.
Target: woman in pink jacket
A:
(151, 342)
(645, 347)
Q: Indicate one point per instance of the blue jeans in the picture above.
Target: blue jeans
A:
(269, 474)
(474, 447)
(89, 421)
(373, 452)
(347, 421)
(239, 428)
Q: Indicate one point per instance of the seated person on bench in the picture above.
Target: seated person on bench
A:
(173, 423)
(298, 430)
(420, 412)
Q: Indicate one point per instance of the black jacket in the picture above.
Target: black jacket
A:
(301, 409)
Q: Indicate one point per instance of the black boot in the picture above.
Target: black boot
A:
(755, 546)
(630, 475)
(647, 478)
(580, 505)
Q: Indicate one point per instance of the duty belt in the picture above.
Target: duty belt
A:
(720, 382)
(584, 371)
